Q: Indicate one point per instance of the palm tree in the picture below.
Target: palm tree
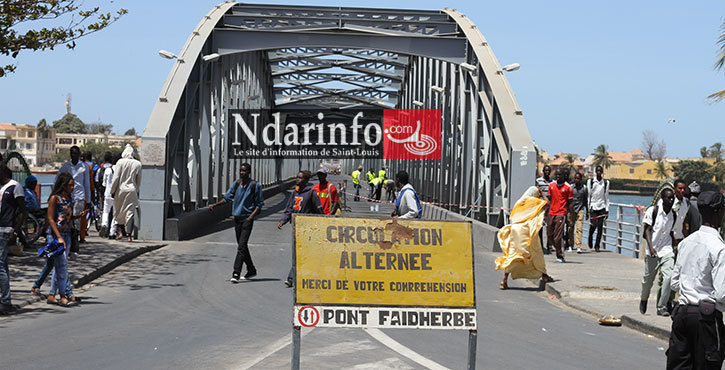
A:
(719, 64)
(602, 157)
(716, 152)
(704, 153)
(661, 169)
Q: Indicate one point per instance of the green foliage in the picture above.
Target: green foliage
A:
(99, 128)
(80, 23)
(131, 131)
(661, 169)
(716, 152)
(602, 157)
(70, 123)
(98, 149)
(699, 171)
(719, 64)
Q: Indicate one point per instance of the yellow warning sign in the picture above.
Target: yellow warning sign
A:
(383, 262)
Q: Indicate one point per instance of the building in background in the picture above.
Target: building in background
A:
(37, 145)
(65, 141)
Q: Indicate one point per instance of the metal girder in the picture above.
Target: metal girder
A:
(452, 49)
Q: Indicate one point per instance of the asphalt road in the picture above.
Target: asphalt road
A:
(174, 308)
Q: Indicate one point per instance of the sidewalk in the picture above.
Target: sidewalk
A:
(97, 257)
(604, 284)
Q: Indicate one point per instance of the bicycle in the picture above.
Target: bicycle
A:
(34, 225)
(95, 213)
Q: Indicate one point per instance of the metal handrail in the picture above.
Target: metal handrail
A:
(622, 230)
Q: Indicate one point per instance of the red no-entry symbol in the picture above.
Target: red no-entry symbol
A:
(308, 316)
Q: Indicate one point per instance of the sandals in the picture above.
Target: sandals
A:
(35, 291)
(64, 302)
(51, 300)
(504, 285)
(74, 299)
(547, 278)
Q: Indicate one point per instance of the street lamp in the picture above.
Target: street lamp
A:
(511, 67)
(437, 89)
(210, 57)
(169, 55)
(468, 67)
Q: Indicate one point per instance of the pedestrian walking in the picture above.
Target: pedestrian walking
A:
(598, 206)
(543, 184)
(407, 205)
(697, 338)
(560, 196)
(658, 224)
(523, 257)
(681, 207)
(60, 216)
(327, 193)
(356, 182)
(87, 158)
(302, 200)
(12, 213)
(247, 201)
(693, 219)
(108, 227)
(577, 212)
(124, 190)
(81, 196)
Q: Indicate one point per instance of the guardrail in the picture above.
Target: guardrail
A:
(622, 232)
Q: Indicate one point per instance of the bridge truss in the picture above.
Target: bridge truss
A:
(246, 56)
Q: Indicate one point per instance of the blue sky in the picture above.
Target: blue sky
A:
(591, 72)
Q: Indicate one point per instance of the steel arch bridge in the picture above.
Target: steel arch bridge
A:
(244, 56)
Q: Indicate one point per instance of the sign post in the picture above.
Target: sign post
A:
(383, 273)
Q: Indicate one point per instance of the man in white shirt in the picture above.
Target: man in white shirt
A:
(12, 212)
(408, 204)
(697, 339)
(598, 211)
(658, 223)
(81, 195)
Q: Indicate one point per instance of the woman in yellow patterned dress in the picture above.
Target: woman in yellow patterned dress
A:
(523, 257)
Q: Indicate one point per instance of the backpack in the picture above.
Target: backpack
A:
(417, 202)
(656, 210)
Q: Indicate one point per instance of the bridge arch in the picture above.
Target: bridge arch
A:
(246, 56)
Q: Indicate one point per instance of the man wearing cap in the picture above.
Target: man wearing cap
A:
(326, 192)
(693, 220)
(697, 339)
(356, 182)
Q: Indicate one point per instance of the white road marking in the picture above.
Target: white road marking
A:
(271, 349)
(403, 350)
(389, 363)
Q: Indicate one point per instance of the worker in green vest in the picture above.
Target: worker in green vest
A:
(371, 176)
(381, 174)
(356, 182)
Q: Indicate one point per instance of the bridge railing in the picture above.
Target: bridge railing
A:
(622, 232)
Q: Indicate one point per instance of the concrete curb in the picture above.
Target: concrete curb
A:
(627, 321)
(95, 274)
